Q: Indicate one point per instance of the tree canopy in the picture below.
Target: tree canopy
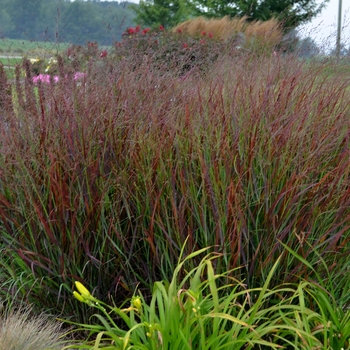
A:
(154, 13)
(291, 13)
(65, 21)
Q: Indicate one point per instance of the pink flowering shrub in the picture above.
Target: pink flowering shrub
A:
(173, 52)
(167, 51)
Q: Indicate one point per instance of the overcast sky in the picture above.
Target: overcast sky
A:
(323, 29)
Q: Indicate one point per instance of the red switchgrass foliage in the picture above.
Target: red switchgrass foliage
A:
(103, 179)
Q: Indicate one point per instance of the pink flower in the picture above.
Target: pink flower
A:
(44, 78)
(210, 35)
(131, 31)
(137, 28)
(179, 31)
(161, 27)
(185, 45)
(204, 33)
(145, 31)
(202, 41)
(78, 75)
(103, 54)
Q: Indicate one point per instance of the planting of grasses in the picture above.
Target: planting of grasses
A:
(103, 179)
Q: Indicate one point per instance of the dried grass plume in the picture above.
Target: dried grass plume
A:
(268, 33)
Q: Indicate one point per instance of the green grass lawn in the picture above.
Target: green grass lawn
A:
(12, 61)
(9, 65)
(12, 47)
(12, 51)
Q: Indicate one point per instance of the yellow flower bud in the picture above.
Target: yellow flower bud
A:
(136, 302)
(79, 297)
(83, 291)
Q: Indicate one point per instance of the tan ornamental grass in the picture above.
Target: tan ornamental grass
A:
(268, 32)
(21, 330)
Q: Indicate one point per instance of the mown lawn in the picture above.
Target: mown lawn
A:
(14, 47)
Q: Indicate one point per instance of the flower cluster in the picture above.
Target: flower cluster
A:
(52, 62)
(103, 54)
(210, 35)
(137, 29)
(83, 295)
(46, 78)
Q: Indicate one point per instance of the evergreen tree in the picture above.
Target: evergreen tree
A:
(291, 13)
(27, 19)
(154, 13)
(5, 22)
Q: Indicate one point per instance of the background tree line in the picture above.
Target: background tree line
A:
(65, 21)
(80, 21)
(291, 13)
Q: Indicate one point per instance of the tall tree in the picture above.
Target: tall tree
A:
(291, 13)
(76, 21)
(27, 18)
(153, 13)
(5, 22)
(79, 21)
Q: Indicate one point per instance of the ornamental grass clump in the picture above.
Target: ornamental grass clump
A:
(21, 329)
(255, 35)
(102, 180)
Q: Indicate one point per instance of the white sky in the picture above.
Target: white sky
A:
(323, 28)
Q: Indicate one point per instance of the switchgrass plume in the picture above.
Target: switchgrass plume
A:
(103, 178)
